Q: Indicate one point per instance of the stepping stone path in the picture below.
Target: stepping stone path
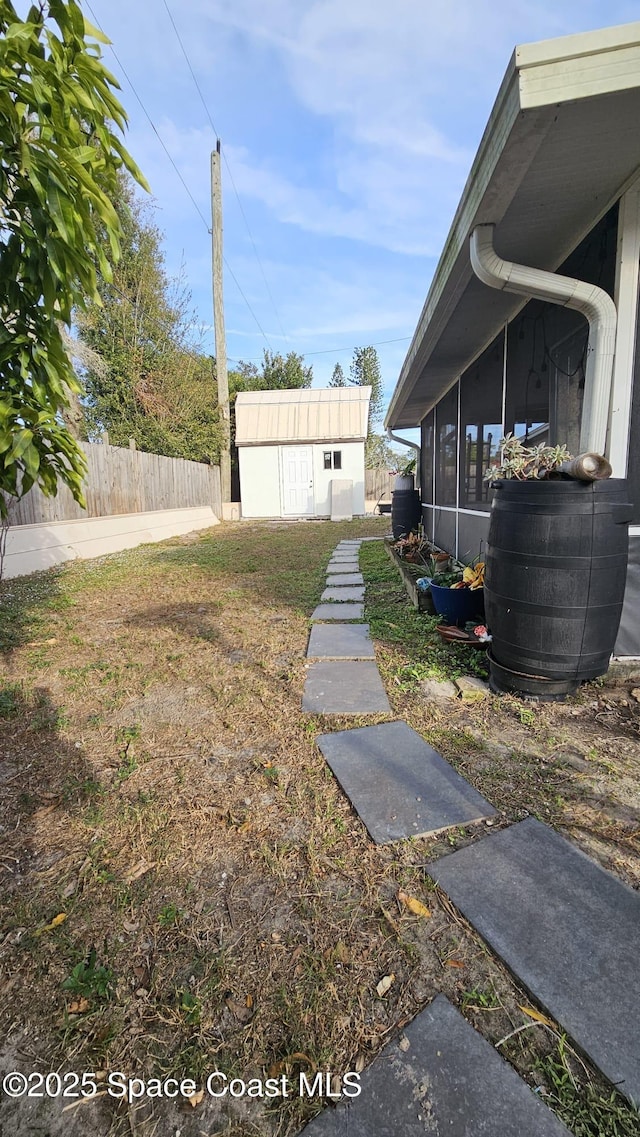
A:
(344, 688)
(340, 641)
(345, 593)
(398, 784)
(567, 929)
(441, 1077)
(337, 612)
(336, 580)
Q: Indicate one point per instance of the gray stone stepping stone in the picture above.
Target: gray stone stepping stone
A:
(343, 566)
(445, 1078)
(343, 594)
(344, 688)
(346, 559)
(340, 641)
(336, 580)
(338, 612)
(398, 784)
(568, 929)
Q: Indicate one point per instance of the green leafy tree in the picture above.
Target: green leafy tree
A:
(154, 383)
(59, 161)
(337, 378)
(281, 373)
(378, 454)
(365, 372)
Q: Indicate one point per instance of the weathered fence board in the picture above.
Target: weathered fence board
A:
(125, 481)
(378, 484)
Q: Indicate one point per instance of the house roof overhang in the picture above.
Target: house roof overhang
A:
(561, 146)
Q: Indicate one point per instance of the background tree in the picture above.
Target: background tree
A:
(337, 378)
(59, 160)
(280, 373)
(154, 383)
(365, 372)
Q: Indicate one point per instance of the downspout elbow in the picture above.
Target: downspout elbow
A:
(414, 446)
(593, 302)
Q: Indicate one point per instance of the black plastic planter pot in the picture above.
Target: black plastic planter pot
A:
(556, 568)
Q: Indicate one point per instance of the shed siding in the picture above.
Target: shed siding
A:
(352, 467)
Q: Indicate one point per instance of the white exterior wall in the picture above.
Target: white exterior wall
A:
(352, 467)
(260, 481)
(261, 478)
(34, 547)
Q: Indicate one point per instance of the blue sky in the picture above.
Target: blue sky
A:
(349, 127)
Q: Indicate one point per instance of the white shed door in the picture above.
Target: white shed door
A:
(297, 480)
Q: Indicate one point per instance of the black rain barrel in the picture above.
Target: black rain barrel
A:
(556, 568)
(406, 512)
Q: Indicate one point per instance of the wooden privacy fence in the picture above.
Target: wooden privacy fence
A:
(125, 481)
(378, 484)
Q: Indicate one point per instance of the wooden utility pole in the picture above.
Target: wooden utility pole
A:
(218, 323)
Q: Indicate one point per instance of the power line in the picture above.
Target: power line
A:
(334, 350)
(195, 204)
(226, 162)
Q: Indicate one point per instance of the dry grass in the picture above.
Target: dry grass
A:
(224, 906)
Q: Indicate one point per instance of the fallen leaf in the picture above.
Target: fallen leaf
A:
(342, 953)
(383, 986)
(404, 1044)
(454, 963)
(241, 1011)
(360, 1063)
(533, 1014)
(195, 1099)
(415, 906)
(138, 870)
(55, 923)
(279, 1067)
(129, 927)
(79, 1007)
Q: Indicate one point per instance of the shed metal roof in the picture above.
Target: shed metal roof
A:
(332, 414)
(562, 144)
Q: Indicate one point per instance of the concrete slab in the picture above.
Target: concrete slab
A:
(344, 688)
(441, 1076)
(338, 612)
(340, 595)
(398, 784)
(569, 930)
(340, 558)
(340, 641)
(336, 580)
(350, 542)
(343, 566)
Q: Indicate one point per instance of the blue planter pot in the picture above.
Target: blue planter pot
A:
(458, 604)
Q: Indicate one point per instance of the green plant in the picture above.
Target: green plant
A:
(526, 462)
(58, 169)
(90, 979)
(169, 916)
(527, 716)
(586, 1109)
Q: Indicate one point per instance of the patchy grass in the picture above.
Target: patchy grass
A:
(223, 905)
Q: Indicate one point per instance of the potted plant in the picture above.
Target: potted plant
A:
(458, 594)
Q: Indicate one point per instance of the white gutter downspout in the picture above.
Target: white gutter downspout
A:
(593, 302)
(414, 446)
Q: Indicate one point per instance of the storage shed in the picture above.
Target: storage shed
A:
(555, 186)
(301, 452)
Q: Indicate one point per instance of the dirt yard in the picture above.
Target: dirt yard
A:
(185, 887)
